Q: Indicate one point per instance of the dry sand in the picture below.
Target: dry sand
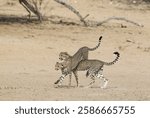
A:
(29, 51)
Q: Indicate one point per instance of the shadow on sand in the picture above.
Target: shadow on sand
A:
(6, 19)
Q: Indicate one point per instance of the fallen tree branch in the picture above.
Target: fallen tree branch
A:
(82, 19)
(90, 23)
(118, 18)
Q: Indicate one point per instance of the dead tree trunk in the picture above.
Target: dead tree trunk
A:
(30, 8)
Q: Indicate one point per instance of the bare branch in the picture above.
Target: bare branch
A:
(86, 16)
(37, 10)
(73, 10)
(118, 18)
(90, 23)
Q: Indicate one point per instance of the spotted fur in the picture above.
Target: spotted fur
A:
(94, 69)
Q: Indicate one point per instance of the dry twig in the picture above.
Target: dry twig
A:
(118, 18)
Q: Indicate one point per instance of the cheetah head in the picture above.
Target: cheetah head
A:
(63, 56)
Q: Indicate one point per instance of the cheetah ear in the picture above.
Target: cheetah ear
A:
(61, 52)
(66, 53)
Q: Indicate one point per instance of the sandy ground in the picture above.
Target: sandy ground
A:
(29, 51)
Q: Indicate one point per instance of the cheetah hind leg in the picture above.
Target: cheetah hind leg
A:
(101, 76)
(76, 77)
(105, 81)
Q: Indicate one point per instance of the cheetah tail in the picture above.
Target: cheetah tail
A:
(115, 60)
(92, 49)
